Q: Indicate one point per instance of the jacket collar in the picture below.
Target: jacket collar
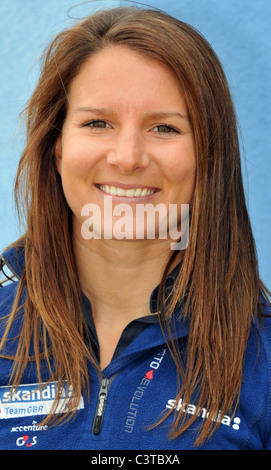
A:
(169, 288)
(14, 259)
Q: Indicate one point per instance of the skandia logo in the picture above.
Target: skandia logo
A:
(189, 408)
(34, 399)
(32, 392)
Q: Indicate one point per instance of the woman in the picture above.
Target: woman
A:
(123, 340)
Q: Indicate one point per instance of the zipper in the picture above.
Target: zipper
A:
(101, 403)
(100, 408)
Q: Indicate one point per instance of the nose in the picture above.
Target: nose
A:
(128, 152)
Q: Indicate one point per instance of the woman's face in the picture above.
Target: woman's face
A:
(126, 136)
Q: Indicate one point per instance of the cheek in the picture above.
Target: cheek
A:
(76, 173)
(180, 166)
(77, 161)
(181, 173)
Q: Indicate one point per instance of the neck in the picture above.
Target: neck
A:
(119, 276)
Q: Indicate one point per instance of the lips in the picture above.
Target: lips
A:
(135, 191)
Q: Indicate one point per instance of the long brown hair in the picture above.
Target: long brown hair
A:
(218, 282)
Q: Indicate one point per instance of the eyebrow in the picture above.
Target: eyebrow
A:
(151, 115)
(94, 110)
(164, 115)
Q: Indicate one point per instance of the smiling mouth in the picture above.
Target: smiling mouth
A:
(130, 192)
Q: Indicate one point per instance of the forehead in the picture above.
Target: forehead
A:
(120, 76)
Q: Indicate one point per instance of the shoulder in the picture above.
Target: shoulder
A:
(7, 296)
(259, 341)
(255, 396)
(12, 263)
(261, 330)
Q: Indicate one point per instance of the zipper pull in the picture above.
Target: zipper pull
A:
(102, 397)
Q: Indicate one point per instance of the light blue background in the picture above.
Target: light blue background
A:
(238, 30)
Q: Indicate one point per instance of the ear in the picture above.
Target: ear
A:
(58, 154)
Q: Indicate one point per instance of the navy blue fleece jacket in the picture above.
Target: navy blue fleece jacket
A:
(130, 394)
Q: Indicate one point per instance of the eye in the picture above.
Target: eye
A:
(97, 124)
(165, 129)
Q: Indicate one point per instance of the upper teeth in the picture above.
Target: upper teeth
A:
(136, 192)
